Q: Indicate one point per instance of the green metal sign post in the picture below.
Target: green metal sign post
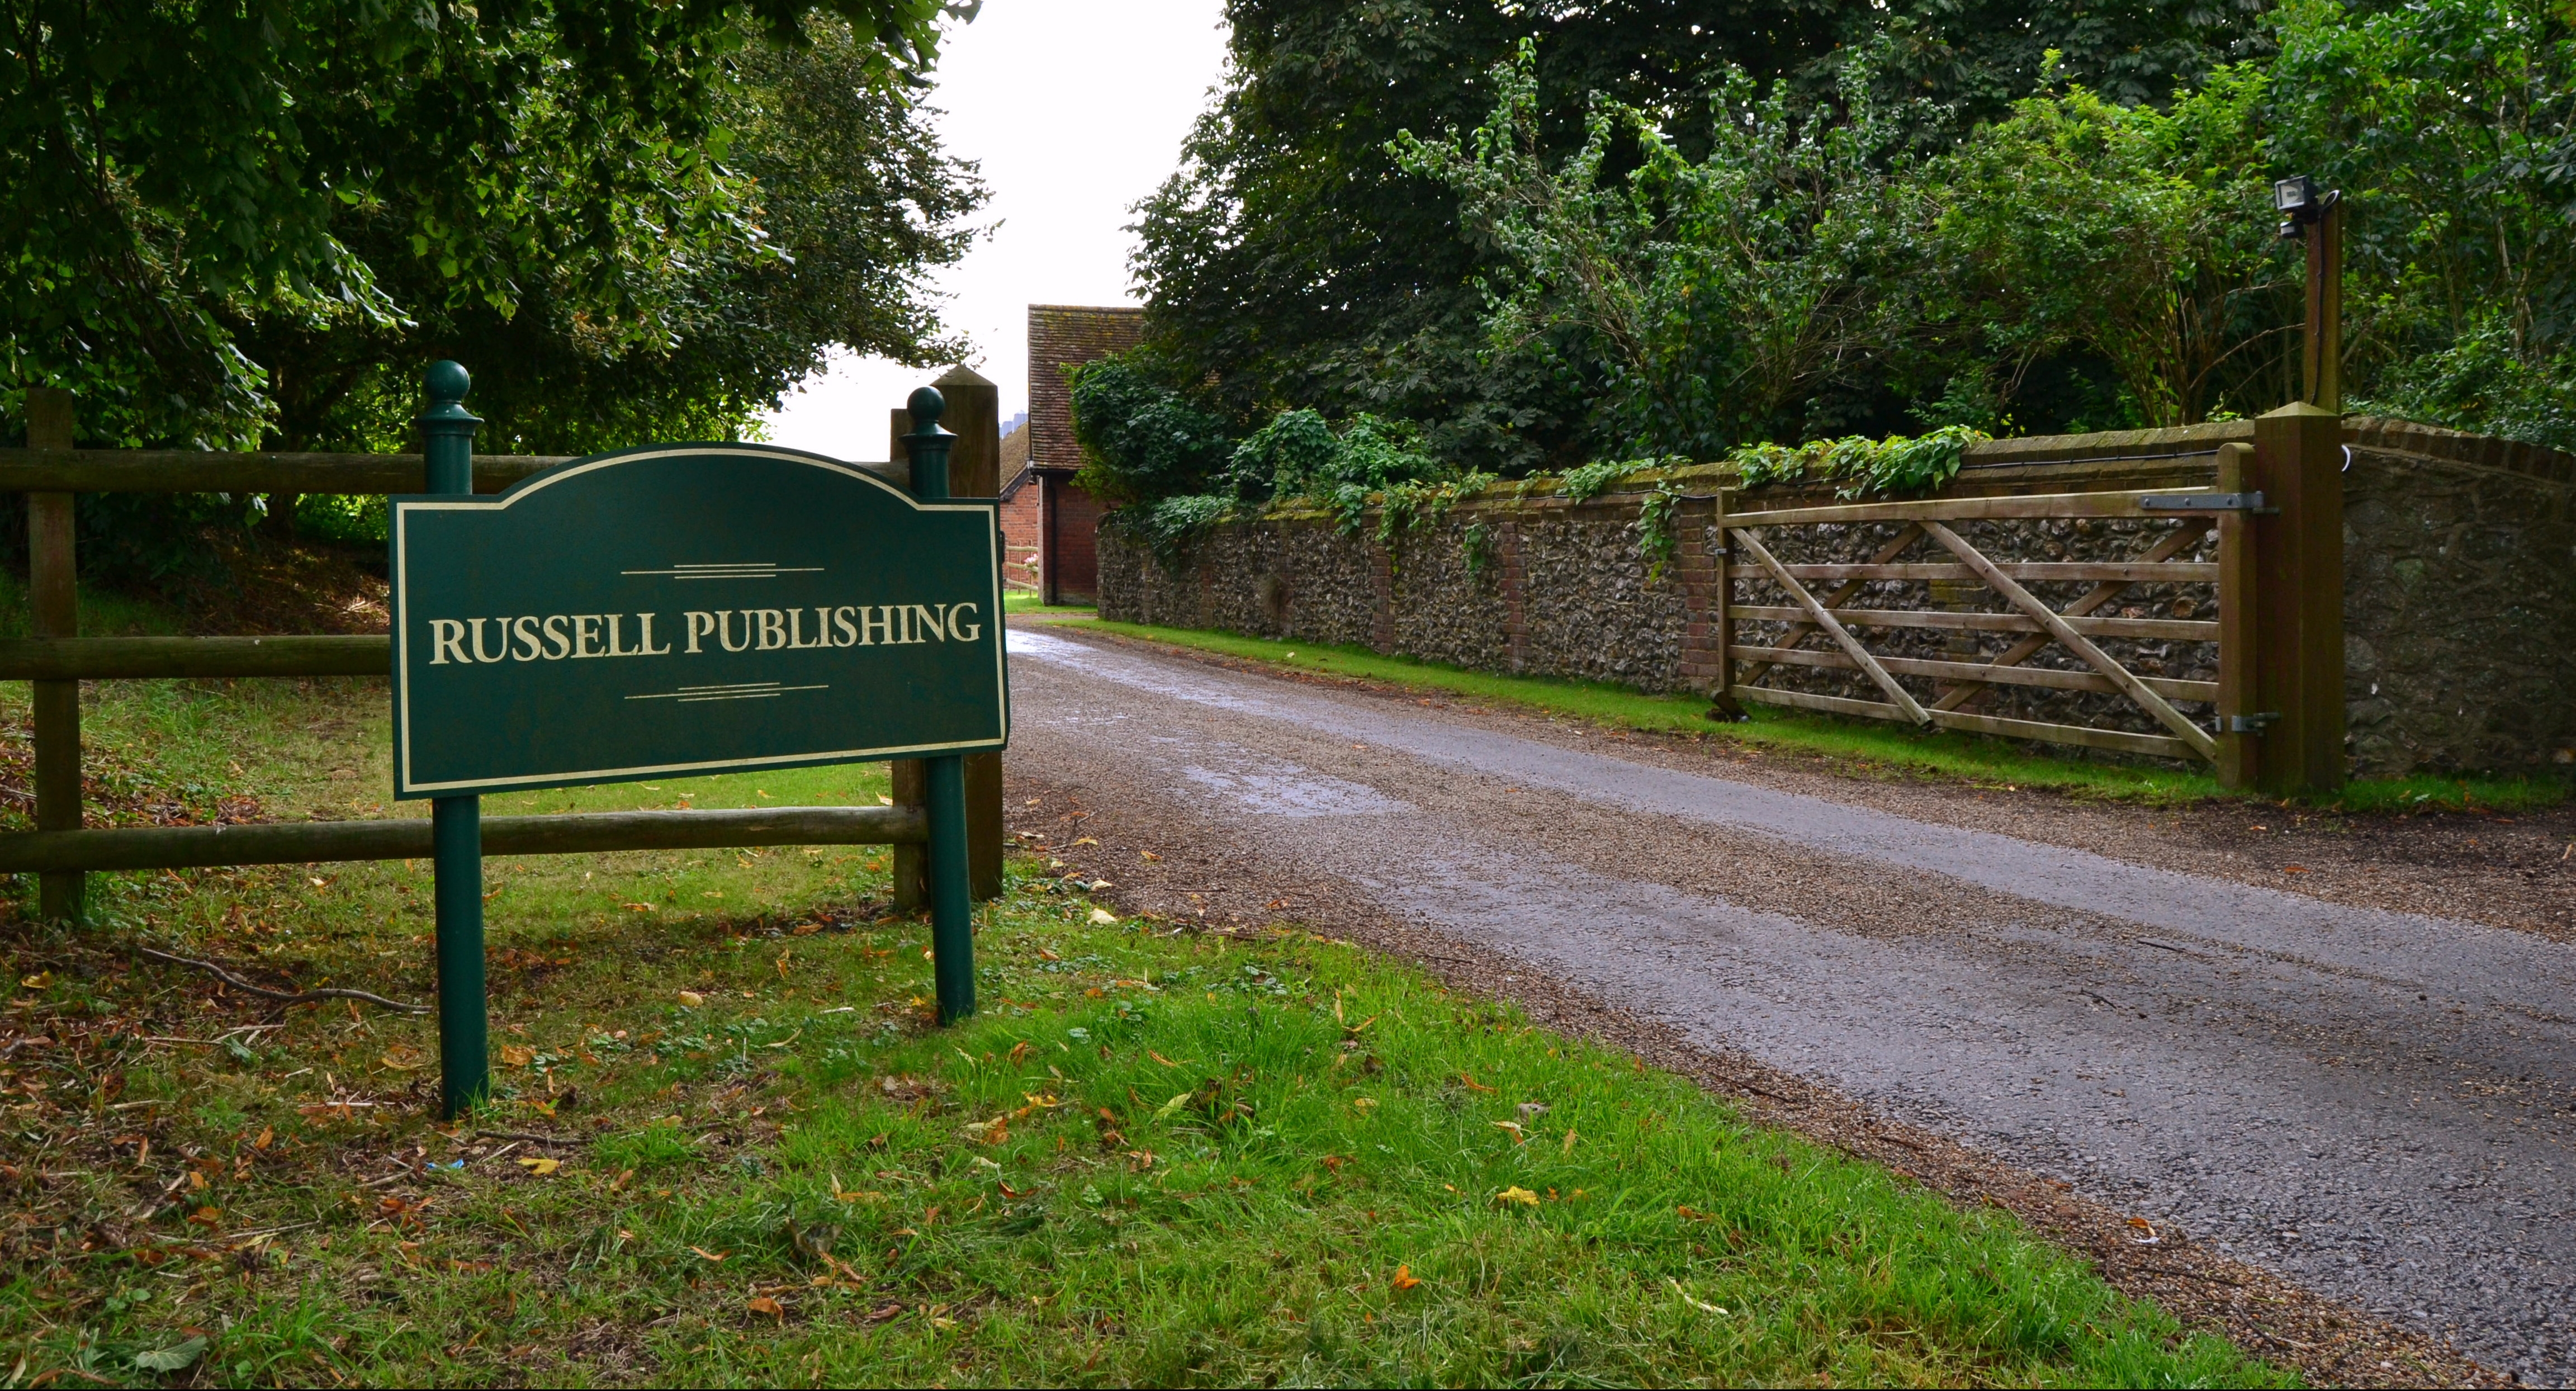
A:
(676, 610)
(456, 823)
(952, 928)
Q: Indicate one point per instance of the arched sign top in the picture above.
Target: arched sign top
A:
(689, 608)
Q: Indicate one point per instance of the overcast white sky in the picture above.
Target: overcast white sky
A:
(1075, 109)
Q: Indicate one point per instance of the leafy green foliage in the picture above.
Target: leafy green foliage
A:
(1898, 464)
(1293, 454)
(1142, 439)
(231, 225)
(1171, 526)
(2450, 125)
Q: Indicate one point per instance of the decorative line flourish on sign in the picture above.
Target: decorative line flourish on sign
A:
(740, 690)
(744, 570)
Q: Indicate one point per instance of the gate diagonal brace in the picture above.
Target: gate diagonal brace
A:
(2076, 642)
(1824, 618)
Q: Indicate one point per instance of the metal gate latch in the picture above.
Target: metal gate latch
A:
(2251, 724)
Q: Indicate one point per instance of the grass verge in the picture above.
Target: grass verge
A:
(1155, 1157)
(1857, 747)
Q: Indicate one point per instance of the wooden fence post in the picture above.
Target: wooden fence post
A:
(53, 605)
(2298, 600)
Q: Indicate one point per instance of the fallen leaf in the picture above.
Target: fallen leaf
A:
(1519, 1195)
(401, 1062)
(541, 1167)
(2294, 869)
(1087, 840)
(706, 1255)
(1104, 917)
(1170, 1106)
(38, 981)
(1160, 1058)
(1404, 1278)
(1569, 1139)
(1472, 1084)
(692, 999)
(766, 1305)
(515, 1056)
(176, 1357)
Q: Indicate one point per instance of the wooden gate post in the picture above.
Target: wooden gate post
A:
(2239, 743)
(53, 605)
(2298, 600)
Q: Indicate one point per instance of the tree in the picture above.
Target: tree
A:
(842, 203)
(1292, 261)
(180, 179)
(2450, 125)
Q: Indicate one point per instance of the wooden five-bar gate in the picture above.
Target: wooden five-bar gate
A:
(56, 659)
(2272, 693)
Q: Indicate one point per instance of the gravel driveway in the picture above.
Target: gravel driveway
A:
(2375, 1102)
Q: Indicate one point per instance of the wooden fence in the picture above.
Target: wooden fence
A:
(57, 659)
(2272, 716)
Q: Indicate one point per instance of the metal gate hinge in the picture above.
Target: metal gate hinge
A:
(2207, 502)
(2252, 724)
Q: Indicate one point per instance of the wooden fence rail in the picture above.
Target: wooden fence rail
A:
(315, 842)
(56, 660)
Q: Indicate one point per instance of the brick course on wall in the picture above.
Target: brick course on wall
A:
(2460, 588)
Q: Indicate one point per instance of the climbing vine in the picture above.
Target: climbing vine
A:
(1858, 465)
(1656, 540)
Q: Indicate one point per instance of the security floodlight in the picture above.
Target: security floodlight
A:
(2299, 203)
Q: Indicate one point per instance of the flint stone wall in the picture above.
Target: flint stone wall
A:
(2459, 588)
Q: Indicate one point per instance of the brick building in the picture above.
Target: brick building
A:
(1068, 519)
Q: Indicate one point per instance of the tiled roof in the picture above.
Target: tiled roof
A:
(1060, 336)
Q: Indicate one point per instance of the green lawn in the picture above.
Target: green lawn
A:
(1157, 1156)
(1853, 746)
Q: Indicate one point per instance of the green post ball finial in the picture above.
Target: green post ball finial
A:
(447, 383)
(926, 405)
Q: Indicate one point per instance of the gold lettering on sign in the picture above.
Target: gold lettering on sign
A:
(479, 654)
(558, 636)
(923, 620)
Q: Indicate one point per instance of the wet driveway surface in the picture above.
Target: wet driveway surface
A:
(2376, 1103)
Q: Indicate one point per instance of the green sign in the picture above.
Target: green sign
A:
(685, 609)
